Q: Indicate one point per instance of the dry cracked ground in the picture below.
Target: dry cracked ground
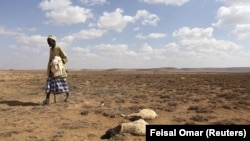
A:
(99, 97)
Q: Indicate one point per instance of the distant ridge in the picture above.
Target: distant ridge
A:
(173, 69)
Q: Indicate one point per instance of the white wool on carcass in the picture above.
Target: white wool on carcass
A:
(146, 114)
(56, 66)
(137, 127)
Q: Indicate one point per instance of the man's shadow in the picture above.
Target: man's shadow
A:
(19, 103)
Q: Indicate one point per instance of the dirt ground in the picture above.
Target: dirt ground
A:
(99, 97)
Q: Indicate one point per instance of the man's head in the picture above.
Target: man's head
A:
(51, 40)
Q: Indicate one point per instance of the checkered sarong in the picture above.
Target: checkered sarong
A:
(57, 85)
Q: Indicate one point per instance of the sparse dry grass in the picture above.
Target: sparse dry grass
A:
(97, 99)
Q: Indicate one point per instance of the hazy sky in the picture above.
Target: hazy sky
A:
(103, 34)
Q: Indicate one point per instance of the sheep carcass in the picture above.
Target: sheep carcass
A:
(137, 127)
(146, 114)
(56, 66)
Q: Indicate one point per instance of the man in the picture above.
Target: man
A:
(56, 84)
